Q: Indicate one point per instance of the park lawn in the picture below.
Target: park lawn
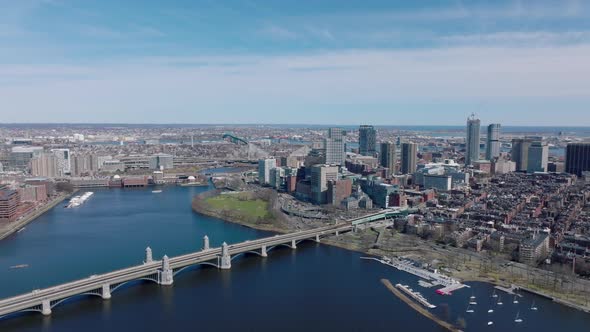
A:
(247, 209)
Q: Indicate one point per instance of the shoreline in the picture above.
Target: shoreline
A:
(11, 229)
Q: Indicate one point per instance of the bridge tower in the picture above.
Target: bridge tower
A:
(148, 255)
(165, 274)
(106, 291)
(46, 308)
(317, 238)
(225, 257)
(205, 242)
(293, 244)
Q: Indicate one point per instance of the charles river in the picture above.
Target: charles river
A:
(313, 288)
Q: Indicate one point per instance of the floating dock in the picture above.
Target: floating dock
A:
(415, 295)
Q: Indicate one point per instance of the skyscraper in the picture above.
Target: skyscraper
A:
(264, 167)
(520, 152)
(409, 152)
(367, 140)
(472, 140)
(538, 157)
(63, 161)
(320, 176)
(493, 142)
(577, 158)
(389, 156)
(334, 144)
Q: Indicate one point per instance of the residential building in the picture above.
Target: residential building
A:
(45, 165)
(534, 249)
(64, 164)
(409, 156)
(389, 157)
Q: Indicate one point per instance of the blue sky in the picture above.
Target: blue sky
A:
(323, 62)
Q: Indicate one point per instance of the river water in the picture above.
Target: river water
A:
(313, 288)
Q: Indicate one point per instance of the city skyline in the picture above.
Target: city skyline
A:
(108, 62)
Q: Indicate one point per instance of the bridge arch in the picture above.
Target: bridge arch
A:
(192, 266)
(82, 295)
(148, 278)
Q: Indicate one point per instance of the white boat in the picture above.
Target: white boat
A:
(22, 229)
(490, 323)
(79, 200)
(156, 191)
(469, 310)
(533, 307)
(491, 311)
(500, 301)
(494, 295)
(518, 319)
(515, 301)
(472, 303)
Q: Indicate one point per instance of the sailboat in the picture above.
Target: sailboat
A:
(515, 300)
(518, 319)
(533, 307)
(472, 300)
(469, 310)
(500, 301)
(490, 323)
(494, 295)
(491, 311)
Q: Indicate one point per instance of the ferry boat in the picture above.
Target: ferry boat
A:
(79, 200)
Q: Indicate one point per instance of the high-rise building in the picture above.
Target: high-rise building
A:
(321, 175)
(45, 165)
(9, 201)
(367, 140)
(409, 156)
(20, 157)
(389, 156)
(161, 161)
(493, 141)
(538, 157)
(520, 153)
(577, 158)
(264, 167)
(472, 140)
(64, 165)
(335, 146)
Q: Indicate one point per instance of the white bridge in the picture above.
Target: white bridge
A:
(159, 271)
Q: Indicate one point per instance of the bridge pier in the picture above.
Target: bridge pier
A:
(263, 252)
(46, 308)
(148, 255)
(293, 244)
(205, 243)
(337, 233)
(225, 257)
(317, 238)
(165, 274)
(106, 291)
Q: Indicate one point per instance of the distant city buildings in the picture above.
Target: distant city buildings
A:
(577, 158)
(472, 140)
(335, 146)
(493, 141)
(321, 175)
(264, 167)
(389, 156)
(367, 140)
(45, 165)
(161, 161)
(409, 158)
(538, 157)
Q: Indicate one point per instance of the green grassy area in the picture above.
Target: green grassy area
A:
(239, 205)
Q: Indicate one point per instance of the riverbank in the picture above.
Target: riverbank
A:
(418, 308)
(14, 227)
